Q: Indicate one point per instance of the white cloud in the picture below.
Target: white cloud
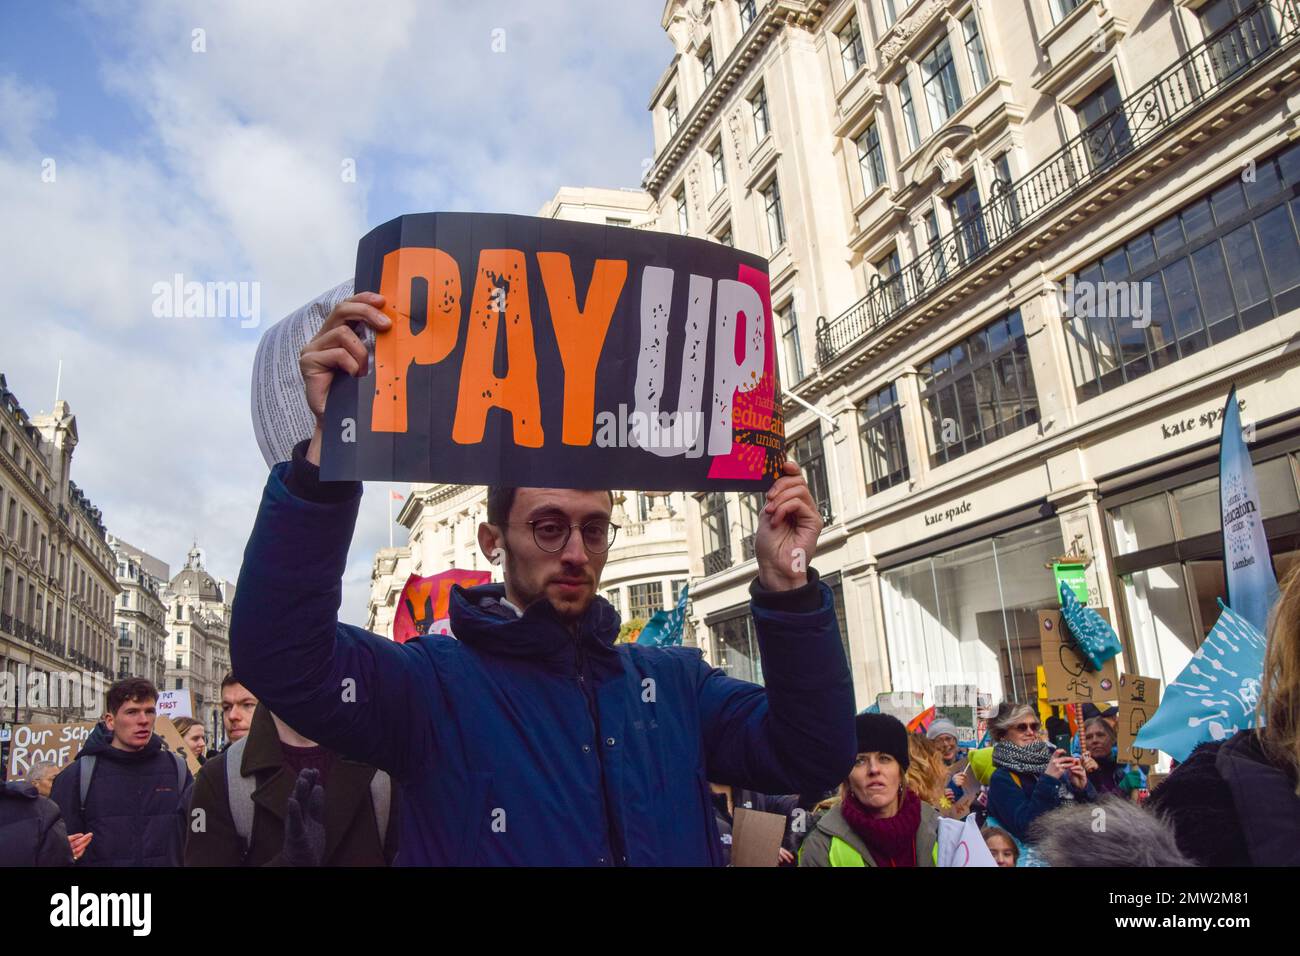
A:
(237, 176)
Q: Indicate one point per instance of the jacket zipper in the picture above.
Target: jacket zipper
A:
(580, 658)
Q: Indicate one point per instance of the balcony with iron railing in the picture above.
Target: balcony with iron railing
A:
(1252, 40)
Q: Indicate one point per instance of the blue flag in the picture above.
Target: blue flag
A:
(664, 629)
(1216, 693)
(1247, 566)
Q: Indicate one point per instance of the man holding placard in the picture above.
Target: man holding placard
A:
(510, 740)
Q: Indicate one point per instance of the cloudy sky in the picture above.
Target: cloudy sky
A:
(133, 148)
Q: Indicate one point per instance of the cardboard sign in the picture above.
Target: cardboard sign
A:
(1068, 679)
(960, 703)
(1139, 698)
(175, 703)
(165, 729)
(903, 704)
(425, 603)
(58, 744)
(541, 352)
(756, 838)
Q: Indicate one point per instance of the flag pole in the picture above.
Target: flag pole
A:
(390, 518)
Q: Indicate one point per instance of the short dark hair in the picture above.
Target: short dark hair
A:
(132, 688)
(500, 500)
(230, 680)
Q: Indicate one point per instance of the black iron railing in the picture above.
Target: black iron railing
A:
(1256, 36)
(718, 561)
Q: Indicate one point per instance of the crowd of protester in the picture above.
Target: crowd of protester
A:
(532, 737)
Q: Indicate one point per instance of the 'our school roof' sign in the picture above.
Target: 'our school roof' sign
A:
(538, 352)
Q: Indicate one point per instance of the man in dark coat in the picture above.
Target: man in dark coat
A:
(31, 830)
(135, 804)
(530, 738)
(274, 756)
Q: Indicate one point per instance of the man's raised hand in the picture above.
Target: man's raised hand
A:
(337, 347)
(787, 532)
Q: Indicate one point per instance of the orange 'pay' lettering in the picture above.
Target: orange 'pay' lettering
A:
(500, 291)
(397, 348)
(580, 333)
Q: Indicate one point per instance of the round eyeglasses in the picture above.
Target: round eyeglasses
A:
(552, 535)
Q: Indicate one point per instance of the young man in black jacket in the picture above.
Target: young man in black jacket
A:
(124, 789)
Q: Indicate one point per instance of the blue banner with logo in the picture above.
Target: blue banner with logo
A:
(1216, 693)
(1247, 566)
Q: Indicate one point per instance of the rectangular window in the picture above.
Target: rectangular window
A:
(968, 222)
(758, 106)
(884, 452)
(671, 110)
(939, 80)
(683, 219)
(808, 452)
(1062, 9)
(934, 260)
(791, 352)
(747, 14)
(775, 217)
(979, 65)
(180, 683)
(980, 390)
(909, 113)
(1229, 263)
(735, 648)
(644, 599)
(852, 53)
(617, 221)
(751, 510)
(676, 588)
(719, 167)
(726, 238)
(717, 532)
(706, 64)
(890, 14)
(871, 159)
(1105, 127)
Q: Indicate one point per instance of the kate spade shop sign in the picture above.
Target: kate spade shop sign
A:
(948, 515)
(1207, 420)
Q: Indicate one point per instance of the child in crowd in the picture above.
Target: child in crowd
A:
(1004, 849)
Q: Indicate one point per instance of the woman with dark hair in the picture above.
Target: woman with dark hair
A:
(1031, 776)
(877, 820)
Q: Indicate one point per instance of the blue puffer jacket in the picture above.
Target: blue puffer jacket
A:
(517, 743)
(133, 808)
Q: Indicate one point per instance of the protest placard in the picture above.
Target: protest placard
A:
(1068, 679)
(561, 354)
(756, 838)
(903, 704)
(959, 703)
(175, 703)
(58, 744)
(1139, 698)
(426, 602)
(165, 729)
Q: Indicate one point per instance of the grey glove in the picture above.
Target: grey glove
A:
(304, 822)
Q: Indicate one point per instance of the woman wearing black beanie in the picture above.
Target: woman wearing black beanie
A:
(877, 821)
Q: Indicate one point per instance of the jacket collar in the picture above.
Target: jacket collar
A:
(481, 620)
(833, 824)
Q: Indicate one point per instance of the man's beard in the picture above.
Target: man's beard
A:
(568, 611)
